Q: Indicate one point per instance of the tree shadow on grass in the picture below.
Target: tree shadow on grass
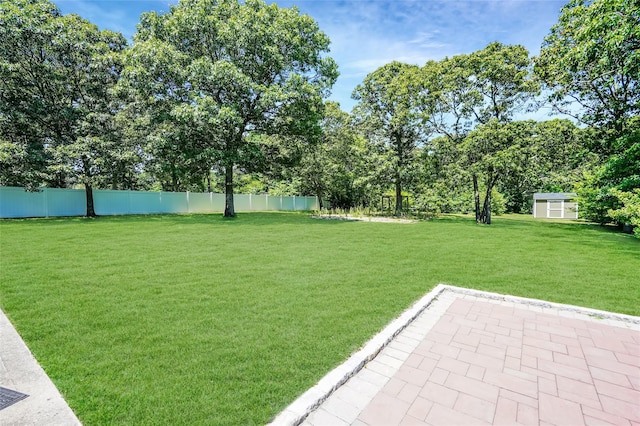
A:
(242, 219)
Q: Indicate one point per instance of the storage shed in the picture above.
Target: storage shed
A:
(555, 205)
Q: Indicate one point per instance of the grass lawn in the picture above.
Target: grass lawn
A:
(199, 320)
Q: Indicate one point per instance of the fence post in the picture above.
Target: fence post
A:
(294, 203)
(188, 203)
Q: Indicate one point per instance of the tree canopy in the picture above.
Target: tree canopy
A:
(56, 116)
(387, 113)
(227, 94)
(225, 70)
(591, 60)
(479, 91)
(590, 63)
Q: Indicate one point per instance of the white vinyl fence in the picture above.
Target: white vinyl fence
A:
(49, 202)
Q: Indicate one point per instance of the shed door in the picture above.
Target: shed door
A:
(555, 209)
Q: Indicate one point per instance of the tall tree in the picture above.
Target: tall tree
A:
(590, 64)
(446, 100)
(459, 93)
(448, 97)
(494, 149)
(611, 185)
(55, 106)
(222, 70)
(386, 109)
(334, 169)
(502, 76)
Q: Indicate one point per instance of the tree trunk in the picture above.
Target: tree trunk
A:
(486, 208)
(91, 212)
(398, 196)
(319, 194)
(476, 197)
(229, 210)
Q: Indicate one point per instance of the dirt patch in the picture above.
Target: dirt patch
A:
(364, 218)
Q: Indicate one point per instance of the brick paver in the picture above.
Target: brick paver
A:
(485, 361)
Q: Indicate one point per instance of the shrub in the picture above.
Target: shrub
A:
(629, 213)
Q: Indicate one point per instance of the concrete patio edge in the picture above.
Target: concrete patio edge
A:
(20, 371)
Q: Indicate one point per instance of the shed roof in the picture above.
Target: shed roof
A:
(554, 196)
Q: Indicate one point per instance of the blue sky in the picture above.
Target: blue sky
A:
(366, 34)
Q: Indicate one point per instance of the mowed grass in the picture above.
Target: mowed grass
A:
(196, 319)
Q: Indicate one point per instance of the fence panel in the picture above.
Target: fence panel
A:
(174, 202)
(287, 203)
(65, 202)
(109, 202)
(145, 202)
(199, 203)
(219, 200)
(274, 203)
(258, 203)
(312, 203)
(16, 202)
(242, 202)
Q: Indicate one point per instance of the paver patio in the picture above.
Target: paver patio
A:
(473, 358)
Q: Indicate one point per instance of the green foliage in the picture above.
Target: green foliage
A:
(467, 100)
(498, 203)
(387, 114)
(16, 168)
(214, 73)
(428, 203)
(337, 168)
(492, 151)
(447, 96)
(502, 76)
(591, 58)
(594, 201)
(224, 94)
(556, 159)
(619, 174)
(629, 212)
(55, 107)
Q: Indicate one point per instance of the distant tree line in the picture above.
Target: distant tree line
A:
(229, 96)
(209, 89)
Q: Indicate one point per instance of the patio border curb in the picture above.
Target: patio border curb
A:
(303, 406)
(299, 409)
